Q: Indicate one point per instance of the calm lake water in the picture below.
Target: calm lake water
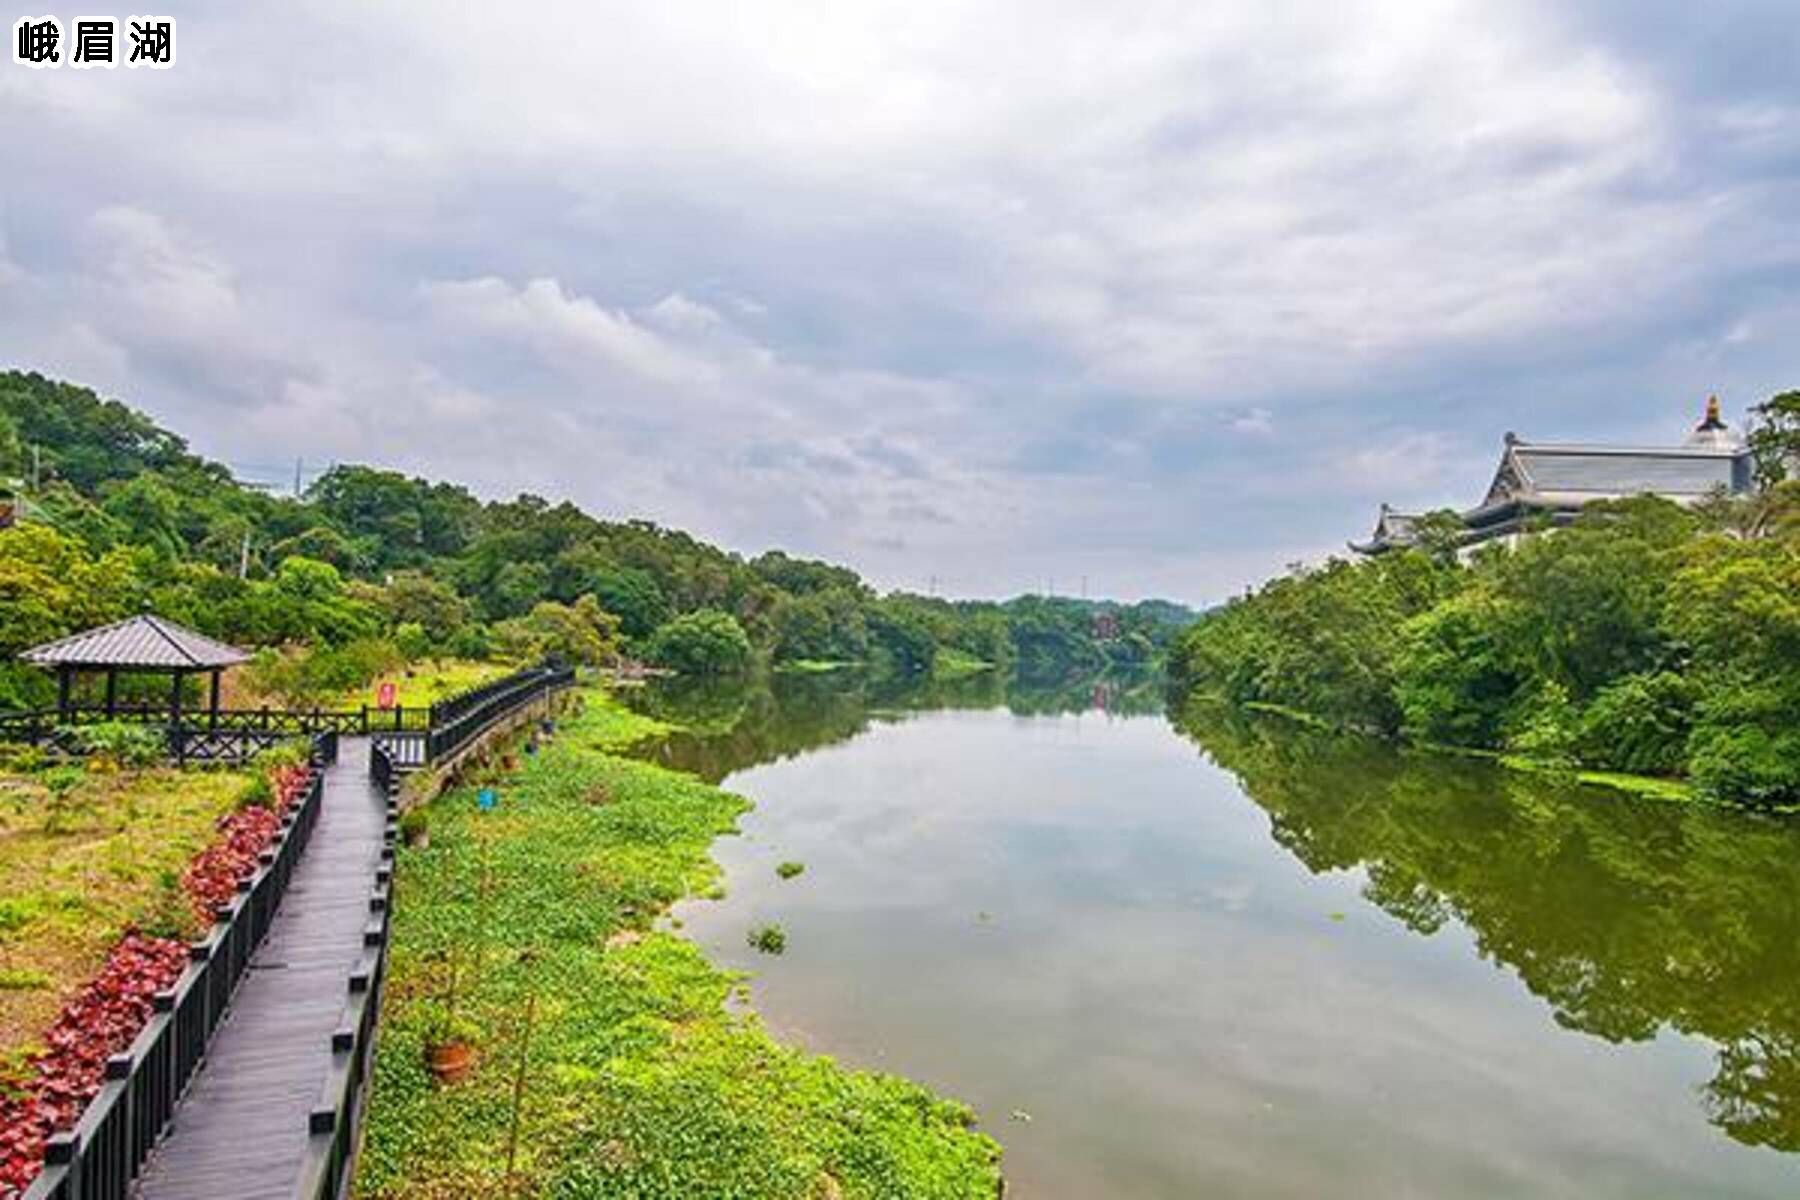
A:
(1245, 960)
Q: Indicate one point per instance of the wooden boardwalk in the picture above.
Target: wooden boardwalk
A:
(239, 1132)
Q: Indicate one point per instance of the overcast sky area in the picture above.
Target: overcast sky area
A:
(1163, 295)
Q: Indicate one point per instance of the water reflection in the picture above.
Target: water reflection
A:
(730, 724)
(1626, 917)
(1165, 962)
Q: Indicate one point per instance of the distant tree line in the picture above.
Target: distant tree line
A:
(371, 566)
(1646, 638)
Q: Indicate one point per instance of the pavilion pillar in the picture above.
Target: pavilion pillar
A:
(65, 680)
(112, 692)
(212, 720)
(180, 743)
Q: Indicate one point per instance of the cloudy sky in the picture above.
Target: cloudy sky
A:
(1162, 295)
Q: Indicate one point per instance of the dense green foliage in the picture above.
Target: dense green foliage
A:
(1625, 917)
(1645, 638)
(641, 1080)
(708, 642)
(125, 517)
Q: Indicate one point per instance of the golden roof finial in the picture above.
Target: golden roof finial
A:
(1713, 419)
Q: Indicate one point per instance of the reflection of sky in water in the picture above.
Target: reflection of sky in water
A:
(1080, 918)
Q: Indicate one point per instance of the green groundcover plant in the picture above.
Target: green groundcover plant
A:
(638, 1081)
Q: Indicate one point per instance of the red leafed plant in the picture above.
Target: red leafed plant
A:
(98, 1023)
(56, 1084)
(212, 878)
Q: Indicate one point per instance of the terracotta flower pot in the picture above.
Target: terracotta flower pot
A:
(450, 1061)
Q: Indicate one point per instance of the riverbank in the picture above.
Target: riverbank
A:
(1651, 787)
(638, 1078)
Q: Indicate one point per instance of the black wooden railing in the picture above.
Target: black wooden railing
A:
(100, 1157)
(457, 723)
(414, 737)
(31, 724)
(334, 1124)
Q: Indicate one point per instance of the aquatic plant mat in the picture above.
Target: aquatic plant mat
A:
(528, 925)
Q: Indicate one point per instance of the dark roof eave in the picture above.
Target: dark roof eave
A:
(141, 643)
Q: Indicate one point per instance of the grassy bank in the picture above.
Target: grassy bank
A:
(639, 1081)
(1649, 786)
(420, 684)
(83, 857)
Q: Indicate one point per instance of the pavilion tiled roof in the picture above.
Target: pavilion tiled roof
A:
(138, 643)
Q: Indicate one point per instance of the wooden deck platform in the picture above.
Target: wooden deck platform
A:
(240, 1130)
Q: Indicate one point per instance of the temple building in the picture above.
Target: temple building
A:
(1539, 482)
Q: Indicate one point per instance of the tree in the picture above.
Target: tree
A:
(1588, 598)
(1775, 438)
(1440, 534)
(1640, 723)
(51, 587)
(1452, 680)
(320, 543)
(707, 642)
(582, 633)
(412, 597)
(403, 522)
(899, 634)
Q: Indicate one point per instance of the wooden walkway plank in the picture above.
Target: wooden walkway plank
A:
(239, 1131)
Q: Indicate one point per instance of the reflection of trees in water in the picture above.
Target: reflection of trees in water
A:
(730, 724)
(1625, 916)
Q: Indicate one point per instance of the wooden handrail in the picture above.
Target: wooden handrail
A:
(100, 1157)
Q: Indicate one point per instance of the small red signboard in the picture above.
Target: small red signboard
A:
(384, 695)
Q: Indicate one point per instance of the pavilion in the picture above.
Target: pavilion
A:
(137, 645)
(1546, 484)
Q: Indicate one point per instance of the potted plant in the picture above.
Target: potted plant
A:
(449, 1043)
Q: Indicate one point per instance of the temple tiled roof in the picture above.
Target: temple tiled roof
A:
(1550, 480)
(1597, 471)
(138, 643)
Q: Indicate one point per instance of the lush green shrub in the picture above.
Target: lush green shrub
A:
(472, 642)
(707, 642)
(1545, 725)
(1746, 742)
(20, 758)
(1639, 724)
(581, 634)
(412, 641)
(1451, 679)
(304, 677)
(123, 743)
(283, 754)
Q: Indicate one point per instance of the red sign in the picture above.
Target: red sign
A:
(384, 695)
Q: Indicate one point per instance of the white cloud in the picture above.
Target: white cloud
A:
(809, 274)
(1254, 420)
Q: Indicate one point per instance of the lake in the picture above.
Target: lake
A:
(1243, 959)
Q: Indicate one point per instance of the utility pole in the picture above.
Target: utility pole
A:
(37, 467)
(297, 478)
(244, 558)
